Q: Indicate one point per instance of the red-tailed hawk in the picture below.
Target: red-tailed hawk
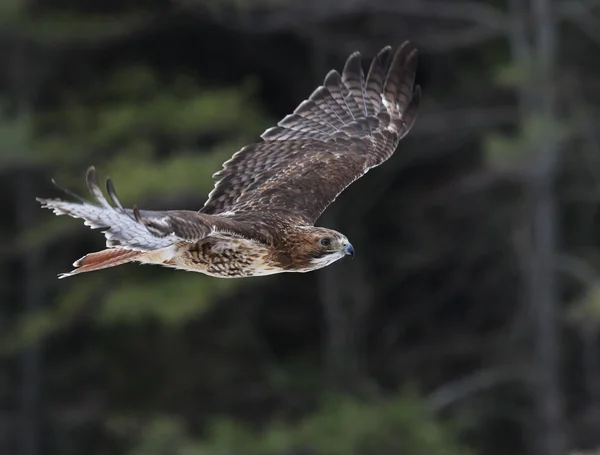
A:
(259, 219)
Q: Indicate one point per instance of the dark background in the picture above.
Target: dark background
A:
(468, 321)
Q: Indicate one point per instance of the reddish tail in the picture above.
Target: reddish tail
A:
(102, 260)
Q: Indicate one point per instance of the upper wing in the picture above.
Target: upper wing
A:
(140, 230)
(347, 126)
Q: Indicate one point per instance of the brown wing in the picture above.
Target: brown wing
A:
(347, 126)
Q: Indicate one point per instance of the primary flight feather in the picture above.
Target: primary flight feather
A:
(259, 219)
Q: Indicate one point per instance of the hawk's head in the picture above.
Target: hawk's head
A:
(317, 247)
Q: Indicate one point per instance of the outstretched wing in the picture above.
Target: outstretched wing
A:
(139, 230)
(348, 125)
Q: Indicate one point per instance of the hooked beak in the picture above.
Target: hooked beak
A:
(349, 250)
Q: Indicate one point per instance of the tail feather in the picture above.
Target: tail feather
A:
(102, 260)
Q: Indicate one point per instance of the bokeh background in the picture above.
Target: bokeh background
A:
(466, 324)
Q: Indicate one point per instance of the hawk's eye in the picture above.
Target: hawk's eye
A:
(325, 241)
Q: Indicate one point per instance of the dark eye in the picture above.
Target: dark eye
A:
(325, 241)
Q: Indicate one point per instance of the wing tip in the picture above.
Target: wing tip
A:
(354, 58)
(409, 116)
(112, 194)
(399, 86)
(353, 68)
(332, 78)
(417, 92)
(91, 178)
(48, 203)
(383, 57)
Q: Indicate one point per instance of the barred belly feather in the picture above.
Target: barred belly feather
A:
(222, 258)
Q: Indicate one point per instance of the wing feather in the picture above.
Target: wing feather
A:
(376, 79)
(138, 230)
(354, 80)
(324, 100)
(347, 126)
(399, 82)
(340, 95)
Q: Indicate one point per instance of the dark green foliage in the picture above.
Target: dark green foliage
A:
(395, 425)
(140, 360)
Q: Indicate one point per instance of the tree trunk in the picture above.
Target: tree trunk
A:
(541, 279)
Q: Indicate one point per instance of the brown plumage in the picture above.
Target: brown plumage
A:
(259, 219)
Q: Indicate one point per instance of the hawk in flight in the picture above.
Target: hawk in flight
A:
(259, 218)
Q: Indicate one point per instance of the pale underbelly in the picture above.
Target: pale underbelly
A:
(234, 258)
(222, 271)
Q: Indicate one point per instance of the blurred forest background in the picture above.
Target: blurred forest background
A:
(468, 322)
